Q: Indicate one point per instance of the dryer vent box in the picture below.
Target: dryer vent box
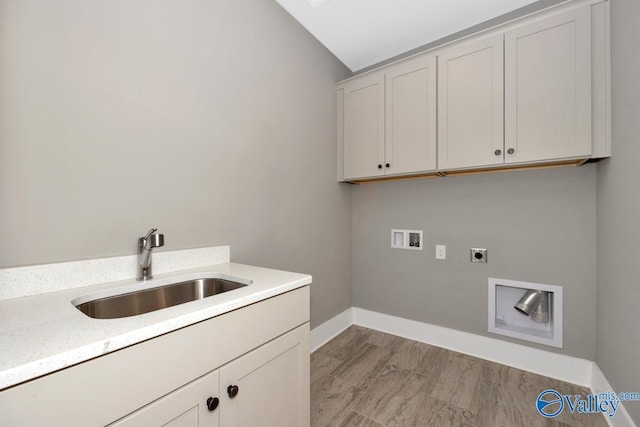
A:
(505, 320)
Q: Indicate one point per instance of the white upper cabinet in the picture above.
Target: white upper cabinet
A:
(387, 120)
(530, 92)
(470, 104)
(364, 126)
(410, 131)
(548, 88)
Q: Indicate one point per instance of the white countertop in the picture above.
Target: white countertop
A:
(43, 333)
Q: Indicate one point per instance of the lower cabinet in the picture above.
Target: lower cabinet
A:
(272, 385)
(248, 367)
(185, 407)
(266, 387)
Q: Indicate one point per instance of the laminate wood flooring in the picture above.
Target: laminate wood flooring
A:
(367, 378)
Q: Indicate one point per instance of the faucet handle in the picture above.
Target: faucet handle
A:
(153, 230)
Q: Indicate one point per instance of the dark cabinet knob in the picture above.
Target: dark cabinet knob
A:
(511, 151)
(233, 391)
(379, 166)
(388, 165)
(212, 403)
(497, 152)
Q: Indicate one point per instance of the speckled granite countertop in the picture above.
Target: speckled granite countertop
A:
(43, 333)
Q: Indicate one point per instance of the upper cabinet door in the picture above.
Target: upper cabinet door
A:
(364, 126)
(470, 104)
(410, 143)
(548, 88)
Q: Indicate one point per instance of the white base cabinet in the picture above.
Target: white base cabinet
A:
(261, 349)
(185, 407)
(266, 387)
(272, 383)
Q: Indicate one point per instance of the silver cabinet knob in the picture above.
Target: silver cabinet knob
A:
(511, 151)
(497, 152)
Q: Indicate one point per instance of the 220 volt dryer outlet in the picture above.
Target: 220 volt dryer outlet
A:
(479, 255)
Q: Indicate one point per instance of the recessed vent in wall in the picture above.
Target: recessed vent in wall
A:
(505, 319)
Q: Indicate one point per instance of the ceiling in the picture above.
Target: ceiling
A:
(364, 32)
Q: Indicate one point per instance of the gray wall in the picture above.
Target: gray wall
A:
(538, 226)
(212, 120)
(618, 349)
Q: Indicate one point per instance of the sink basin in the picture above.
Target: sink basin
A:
(147, 300)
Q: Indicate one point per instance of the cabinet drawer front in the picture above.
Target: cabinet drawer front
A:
(470, 104)
(548, 88)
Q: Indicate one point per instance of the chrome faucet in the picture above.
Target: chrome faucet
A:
(145, 245)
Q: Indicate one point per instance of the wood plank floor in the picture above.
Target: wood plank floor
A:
(368, 378)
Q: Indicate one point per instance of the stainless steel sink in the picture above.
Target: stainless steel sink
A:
(146, 300)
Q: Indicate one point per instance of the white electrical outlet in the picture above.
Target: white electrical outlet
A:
(441, 252)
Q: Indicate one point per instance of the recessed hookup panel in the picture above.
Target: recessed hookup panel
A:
(406, 239)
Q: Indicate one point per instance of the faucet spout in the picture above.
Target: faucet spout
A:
(154, 241)
(145, 246)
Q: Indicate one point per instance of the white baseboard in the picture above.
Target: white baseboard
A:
(321, 334)
(600, 384)
(554, 365)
